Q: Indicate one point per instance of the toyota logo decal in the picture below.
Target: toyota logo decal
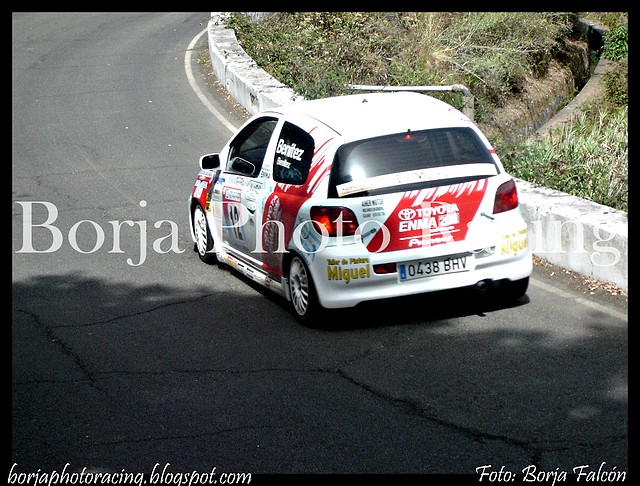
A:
(406, 214)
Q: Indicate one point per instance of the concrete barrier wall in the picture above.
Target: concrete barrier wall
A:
(577, 234)
(574, 233)
(247, 83)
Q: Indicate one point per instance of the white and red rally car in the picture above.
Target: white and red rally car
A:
(342, 200)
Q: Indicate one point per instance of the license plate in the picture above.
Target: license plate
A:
(431, 267)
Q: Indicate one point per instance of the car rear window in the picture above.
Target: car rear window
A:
(408, 161)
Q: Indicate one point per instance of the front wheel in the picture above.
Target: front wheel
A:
(304, 298)
(204, 240)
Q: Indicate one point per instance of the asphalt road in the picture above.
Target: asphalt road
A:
(130, 355)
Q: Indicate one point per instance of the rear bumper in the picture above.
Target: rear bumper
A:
(344, 280)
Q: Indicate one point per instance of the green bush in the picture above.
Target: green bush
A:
(616, 43)
(616, 83)
(317, 53)
(494, 54)
(588, 157)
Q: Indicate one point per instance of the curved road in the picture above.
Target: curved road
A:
(129, 354)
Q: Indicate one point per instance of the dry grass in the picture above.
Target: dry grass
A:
(515, 64)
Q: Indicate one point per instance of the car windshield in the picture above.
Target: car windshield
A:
(411, 160)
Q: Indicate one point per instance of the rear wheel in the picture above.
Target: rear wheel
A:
(204, 240)
(304, 299)
(511, 290)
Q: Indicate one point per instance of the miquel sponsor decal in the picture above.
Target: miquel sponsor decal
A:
(348, 269)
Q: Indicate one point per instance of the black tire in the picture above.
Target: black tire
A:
(304, 299)
(512, 290)
(204, 241)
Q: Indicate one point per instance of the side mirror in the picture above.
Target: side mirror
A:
(210, 161)
(243, 166)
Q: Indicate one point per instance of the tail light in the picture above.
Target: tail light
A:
(337, 220)
(506, 197)
(385, 268)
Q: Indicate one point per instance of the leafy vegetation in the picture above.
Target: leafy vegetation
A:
(616, 45)
(318, 53)
(497, 55)
(588, 157)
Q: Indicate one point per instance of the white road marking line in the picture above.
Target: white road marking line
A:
(187, 67)
(587, 303)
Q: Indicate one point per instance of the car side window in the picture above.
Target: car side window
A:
(294, 152)
(247, 151)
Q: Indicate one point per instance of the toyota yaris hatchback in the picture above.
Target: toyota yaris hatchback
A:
(342, 200)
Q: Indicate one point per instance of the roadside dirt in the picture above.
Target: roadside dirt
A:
(586, 286)
(232, 106)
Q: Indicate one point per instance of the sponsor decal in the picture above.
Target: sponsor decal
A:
(235, 214)
(251, 194)
(198, 187)
(373, 208)
(231, 194)
(431, 217)
(288, 150)
(309, 241)
(348, 269)
(232, 262)
(514, 243)
(318, 171)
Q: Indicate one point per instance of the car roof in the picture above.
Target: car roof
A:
(372, 114)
